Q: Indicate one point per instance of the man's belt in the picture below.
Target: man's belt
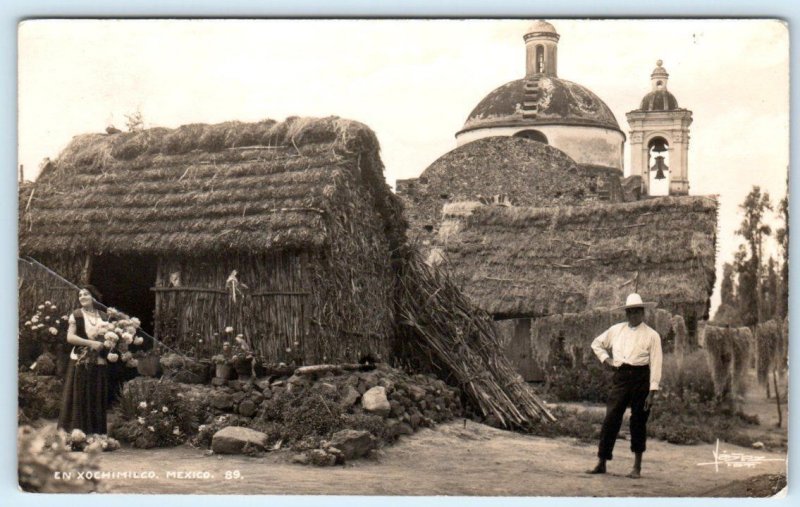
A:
(626, 366)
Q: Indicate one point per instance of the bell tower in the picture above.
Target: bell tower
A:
(659, 138)
(541, 50)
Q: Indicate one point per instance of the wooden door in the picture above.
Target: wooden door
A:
(518, 350)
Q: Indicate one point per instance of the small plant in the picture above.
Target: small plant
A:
(152, 414)
(242, 357)
(303, 414)
(134, 121)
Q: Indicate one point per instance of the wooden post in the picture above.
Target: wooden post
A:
(21, 173)
(777, 396)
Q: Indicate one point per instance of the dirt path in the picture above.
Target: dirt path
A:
(448, 460)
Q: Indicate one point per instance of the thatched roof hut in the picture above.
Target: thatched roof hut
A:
(533, 262)
(300, 209)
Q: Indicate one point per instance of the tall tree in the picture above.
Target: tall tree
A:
(747, 288)
(753, 230)
(728, 285)
(782, 235)
(769, 290)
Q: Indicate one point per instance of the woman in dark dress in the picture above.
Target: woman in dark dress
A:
(84, 401)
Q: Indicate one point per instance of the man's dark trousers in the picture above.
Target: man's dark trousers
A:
(629, 387)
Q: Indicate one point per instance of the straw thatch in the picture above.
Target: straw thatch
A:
(299, 208)
(531, 262)
(728, 351)
(252, 187)
(770, 348)
(524, 172)
(577, 330)
(682, 344)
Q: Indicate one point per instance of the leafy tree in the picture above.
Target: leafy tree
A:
(753, 230)
(747, 290)
(769, 290)
(782, 236)
(728, 285)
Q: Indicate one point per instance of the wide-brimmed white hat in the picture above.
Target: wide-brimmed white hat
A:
(634, 300)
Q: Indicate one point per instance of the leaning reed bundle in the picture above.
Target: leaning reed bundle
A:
(768, 348)
(443, 324)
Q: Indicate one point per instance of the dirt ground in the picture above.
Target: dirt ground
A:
(452, 459)
(471, 459)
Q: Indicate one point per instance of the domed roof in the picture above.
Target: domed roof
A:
(528, 172)
(659, 100)
(559, 102)
(540, 26)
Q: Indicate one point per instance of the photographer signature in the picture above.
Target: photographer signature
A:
(736, 459)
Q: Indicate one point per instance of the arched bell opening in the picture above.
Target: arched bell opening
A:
(533, 135)
(540, 59)
(658, 163)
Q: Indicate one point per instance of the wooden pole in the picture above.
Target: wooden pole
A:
(21, 173)
(777, 397)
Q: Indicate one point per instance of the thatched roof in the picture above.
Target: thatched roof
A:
(197, 188)
(530, 262)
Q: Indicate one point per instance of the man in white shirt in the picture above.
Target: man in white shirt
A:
(632, 350)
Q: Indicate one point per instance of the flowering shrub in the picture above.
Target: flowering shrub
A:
(151, 414)
(77, 440)
(206, 431)
(42, 453)
(46, 326)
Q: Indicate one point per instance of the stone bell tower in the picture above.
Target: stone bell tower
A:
(659, 137)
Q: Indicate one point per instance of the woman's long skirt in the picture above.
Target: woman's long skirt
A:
(84, 401)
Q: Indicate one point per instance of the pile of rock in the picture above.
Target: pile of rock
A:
(402, 403)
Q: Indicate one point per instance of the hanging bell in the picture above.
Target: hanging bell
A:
(658, 145)
(659, 167)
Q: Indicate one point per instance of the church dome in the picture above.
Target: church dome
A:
(555, 102)
(659, 100)
(541, 26)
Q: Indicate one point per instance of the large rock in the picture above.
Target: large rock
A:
(349, 396)
(222, 401)
(416, 392)
(353, 443)
(374, 401)
(233, 439)
(247, 408)
(397, 408)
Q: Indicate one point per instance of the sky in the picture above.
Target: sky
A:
(414, 82)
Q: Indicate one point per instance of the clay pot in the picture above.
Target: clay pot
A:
(223, 371)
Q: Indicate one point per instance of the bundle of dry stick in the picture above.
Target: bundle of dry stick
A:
(462, 339)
